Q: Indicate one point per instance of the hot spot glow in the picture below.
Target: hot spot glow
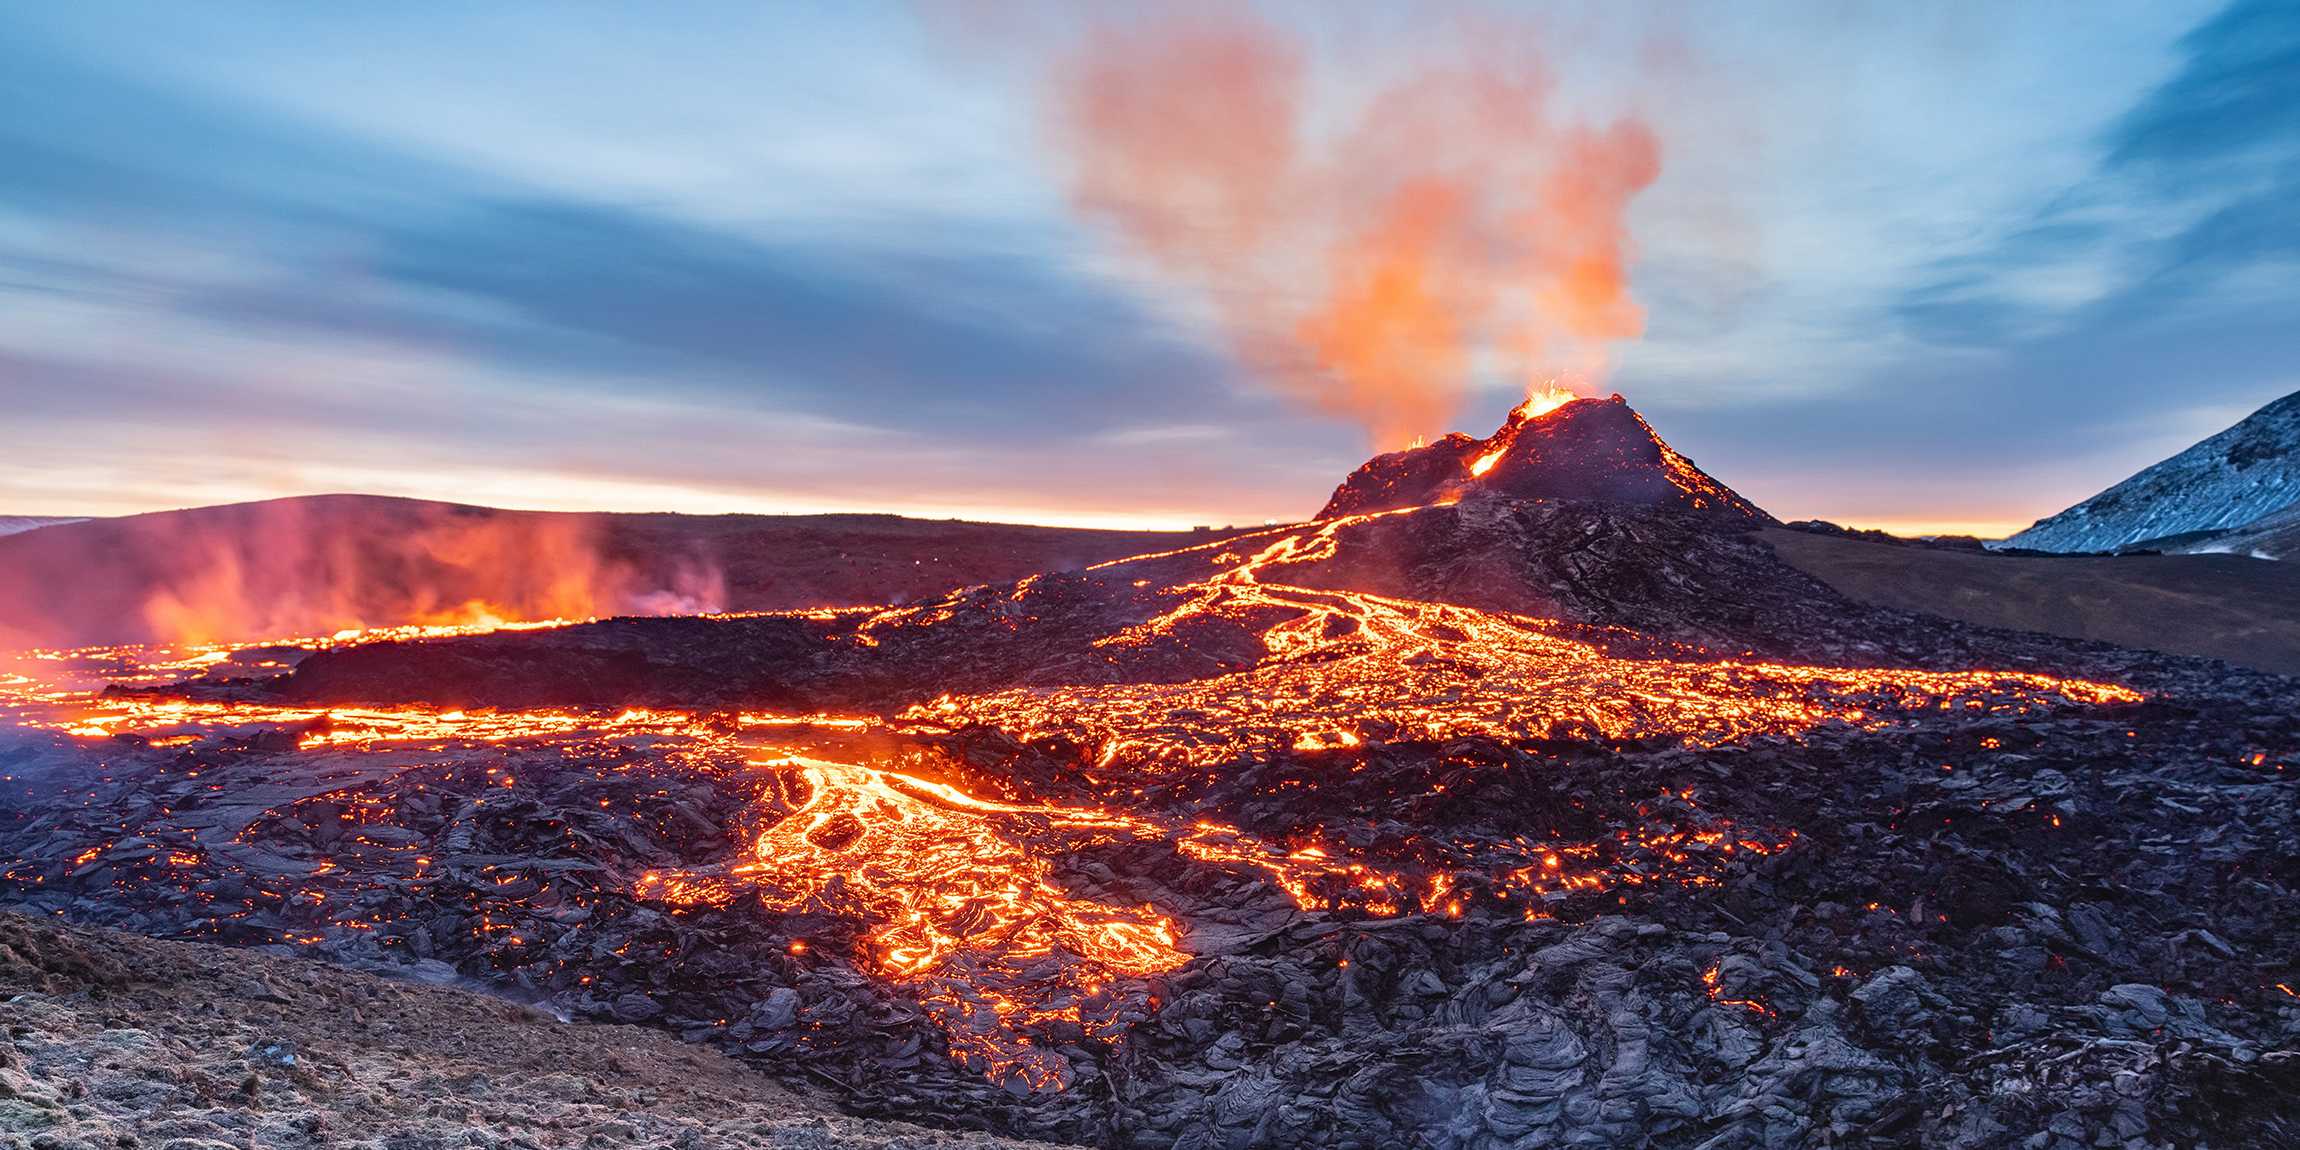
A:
(1543, 402)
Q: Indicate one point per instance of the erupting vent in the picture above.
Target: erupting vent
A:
(1554, 446)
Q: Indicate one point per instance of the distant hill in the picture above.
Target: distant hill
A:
(2238, 491)
(318, 564)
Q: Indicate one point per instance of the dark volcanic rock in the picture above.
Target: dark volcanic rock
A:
(1996, 922)
(1592, 449)
(2072, 936)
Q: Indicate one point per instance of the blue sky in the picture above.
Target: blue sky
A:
(1908, 265)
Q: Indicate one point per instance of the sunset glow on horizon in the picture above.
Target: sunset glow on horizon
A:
(889, 261)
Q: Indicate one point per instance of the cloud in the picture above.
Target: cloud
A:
(2194, 186)
(186, 277)
(963, 340)
(2141, 302)
(309, 232)
(827, 263)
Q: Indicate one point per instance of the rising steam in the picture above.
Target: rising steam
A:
(1365, 265)
(332, 563)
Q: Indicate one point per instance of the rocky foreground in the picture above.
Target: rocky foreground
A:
(120, 1041)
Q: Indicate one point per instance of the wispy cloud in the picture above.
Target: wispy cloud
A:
(2195, 189)
(248, 286)
(821, 260)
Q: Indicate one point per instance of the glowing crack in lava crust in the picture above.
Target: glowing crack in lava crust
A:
(961, 903)
(972, 905)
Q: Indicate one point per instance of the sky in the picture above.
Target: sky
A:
(1923, 267)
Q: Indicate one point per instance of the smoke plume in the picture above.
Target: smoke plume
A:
(1367, 262)
(316, 566)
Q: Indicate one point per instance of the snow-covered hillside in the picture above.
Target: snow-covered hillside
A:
(12, 524)
(2272, 536)
(2244, 474)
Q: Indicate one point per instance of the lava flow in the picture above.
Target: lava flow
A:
(1015, 923)
(1345, 667)
(961, 902)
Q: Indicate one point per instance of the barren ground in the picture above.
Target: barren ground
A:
(2243, 610)
(121, 1041)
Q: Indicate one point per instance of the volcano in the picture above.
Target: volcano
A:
(1556, 809)
(1594, 449)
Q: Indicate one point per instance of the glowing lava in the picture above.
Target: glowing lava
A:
(962, 903)
(974, 905)
(1362, 666)
(1543, 402)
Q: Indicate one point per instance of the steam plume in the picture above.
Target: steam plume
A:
(1366, 266)
(319, 565)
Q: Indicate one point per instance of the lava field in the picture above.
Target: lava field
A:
(1495, 822)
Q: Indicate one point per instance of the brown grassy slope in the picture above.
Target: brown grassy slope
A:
(118, 1040)
(2245, 611)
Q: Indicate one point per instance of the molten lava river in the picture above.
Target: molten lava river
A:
(1019, 866)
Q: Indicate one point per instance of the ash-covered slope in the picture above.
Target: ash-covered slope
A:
(2222, 485)
(2213, 606)
(1592, 449)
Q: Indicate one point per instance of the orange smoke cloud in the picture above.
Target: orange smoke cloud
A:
(1581, 238)
(1362, 263)
(1188, 142)
(309, 567)
(1390, 334)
